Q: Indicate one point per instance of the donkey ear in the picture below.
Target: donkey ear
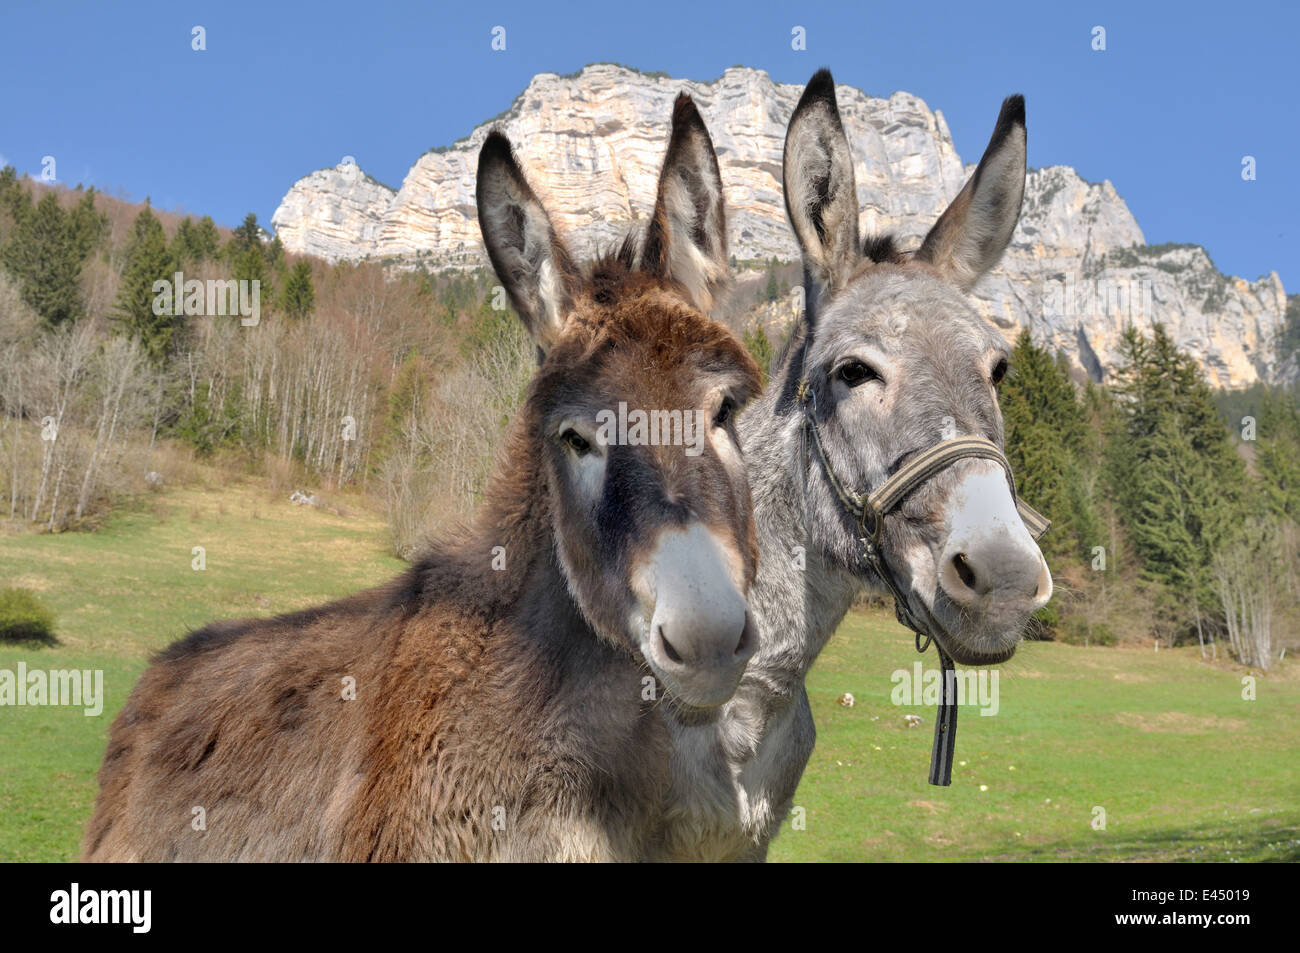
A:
(687, 237)
(821, 197)
(976, 228)
(528, 256)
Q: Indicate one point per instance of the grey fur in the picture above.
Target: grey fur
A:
(734, 774)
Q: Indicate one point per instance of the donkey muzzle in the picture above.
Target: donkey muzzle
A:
(700, 634)
(989, 558)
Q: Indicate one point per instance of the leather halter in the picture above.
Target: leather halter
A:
(869, 511)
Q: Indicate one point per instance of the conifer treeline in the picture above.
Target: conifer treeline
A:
(1150, 494)
(47, 247)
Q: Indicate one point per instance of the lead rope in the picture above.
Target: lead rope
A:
(945, 725)
(875, 505)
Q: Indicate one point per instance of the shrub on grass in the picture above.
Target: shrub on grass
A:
(23, 618)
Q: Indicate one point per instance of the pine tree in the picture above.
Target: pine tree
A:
(299, 295)
(207, 240)
(1277, 454)
(1046, 430)
(148, 259)
(248, 257)
(1176, 479)
(247, 235)
(274, 254)
(44, 255)
(405, 397)
(88, 225)
(760, 349)
(195, 242)
(184, 243)
(12, 198)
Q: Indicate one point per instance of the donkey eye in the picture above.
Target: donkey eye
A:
(855, 373)
(725, 412)
(576, 442)
(999, 371)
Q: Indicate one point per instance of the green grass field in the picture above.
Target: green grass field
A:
(1184, 768)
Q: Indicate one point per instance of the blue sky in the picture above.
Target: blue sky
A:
(1182, 92)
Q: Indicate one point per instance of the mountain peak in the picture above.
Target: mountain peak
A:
(592, 143)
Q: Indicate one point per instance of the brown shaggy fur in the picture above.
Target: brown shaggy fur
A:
(498, 715)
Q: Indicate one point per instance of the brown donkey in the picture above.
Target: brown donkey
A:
(477, 712)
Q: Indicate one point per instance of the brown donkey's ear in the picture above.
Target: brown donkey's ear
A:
(976, 228)
(687, 237)
(528, 256)
(820, 195)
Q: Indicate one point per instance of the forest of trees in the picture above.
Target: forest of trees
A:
(1169, 519)
(353, 378)
(1174, 508)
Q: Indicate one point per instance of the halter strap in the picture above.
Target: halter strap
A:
(869, 511)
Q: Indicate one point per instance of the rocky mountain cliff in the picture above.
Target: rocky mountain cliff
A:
(1078, 270)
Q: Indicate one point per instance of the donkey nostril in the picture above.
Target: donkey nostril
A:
(745, 639)
(668, 648)
(964, 572)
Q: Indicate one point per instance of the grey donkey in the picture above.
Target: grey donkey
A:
(894, 359)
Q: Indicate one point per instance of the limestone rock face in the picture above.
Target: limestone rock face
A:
(1078, 269)
(1078, 272)
(333, 213)
(592, 145)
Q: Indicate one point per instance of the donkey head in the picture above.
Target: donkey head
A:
(896, 360)
(634, 408)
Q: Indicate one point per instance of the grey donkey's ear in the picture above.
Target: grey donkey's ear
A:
(687, 237)
(976, 228)
(821, 197)
(528, 256)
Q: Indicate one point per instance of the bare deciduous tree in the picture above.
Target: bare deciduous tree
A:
(449, 441)
(1243, 572)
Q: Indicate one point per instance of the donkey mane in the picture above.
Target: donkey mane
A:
(883, 250)
(218, 635)
(625, 267)
(614, 268)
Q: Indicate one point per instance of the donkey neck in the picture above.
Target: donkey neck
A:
(798, 595)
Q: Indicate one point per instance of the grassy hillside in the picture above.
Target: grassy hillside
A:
(1184, 768)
